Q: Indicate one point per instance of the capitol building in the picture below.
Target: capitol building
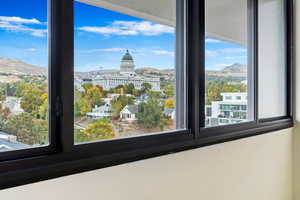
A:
(125, 76)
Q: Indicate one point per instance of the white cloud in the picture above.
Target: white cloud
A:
(235, 57)
(210, 53)
(233, 50)
(19, 20)
(130, 28)
(104, 50)
(17, 24)
(210, 40)
(31, 49)
(223, 65)
(163, 52)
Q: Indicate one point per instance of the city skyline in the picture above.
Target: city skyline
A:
(101, 38)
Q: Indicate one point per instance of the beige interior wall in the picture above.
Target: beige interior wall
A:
(257, 168)
(297, 104)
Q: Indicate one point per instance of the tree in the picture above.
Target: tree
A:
(215, 88)
(87, 86)
(2, 94)
(169, 103)
(99, 130)
(146, 87)
(168, 89)
(129, 89)
(94, 95)
(82, 106)
(27, 129)
(119, 103)
(32, 100)
(150, 113)
(43, 109)
(4, 116)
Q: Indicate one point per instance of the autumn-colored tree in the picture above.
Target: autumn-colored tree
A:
(169, 103)
(98, 130)
(32, 100)
(94, 95)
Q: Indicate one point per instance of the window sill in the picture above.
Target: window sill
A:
(28, 170)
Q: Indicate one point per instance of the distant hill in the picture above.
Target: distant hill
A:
(16, 67)
(236, 68)
(235, 72)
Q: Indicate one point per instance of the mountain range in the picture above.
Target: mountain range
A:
(17, 67)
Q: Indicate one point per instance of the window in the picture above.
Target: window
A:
(23, 75)
(228, 72)
(125, 64)
(271, 59)
(132, 79)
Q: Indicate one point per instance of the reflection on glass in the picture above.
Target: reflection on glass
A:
(227, 76)
(271, 59)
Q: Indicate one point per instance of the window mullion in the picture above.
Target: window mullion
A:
(61, 73)
(253, 60)
(196, 63)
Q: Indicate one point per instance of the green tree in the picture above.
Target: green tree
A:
(150, 113)
(43, 109)
(87, 86)
(82, 106)
(28, 129)
(168, 89)
(146, 87)
(215, 88)
(129, 89)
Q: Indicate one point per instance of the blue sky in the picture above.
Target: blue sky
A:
(101, 38)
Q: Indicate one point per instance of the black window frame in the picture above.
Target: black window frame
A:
(62, 157)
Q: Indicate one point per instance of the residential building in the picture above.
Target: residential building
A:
(99, 112)
(14, 105)
(129, 113)
(232, 109)
(169, 113)
(9, 142)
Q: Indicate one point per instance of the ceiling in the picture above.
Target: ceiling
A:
(225, 19)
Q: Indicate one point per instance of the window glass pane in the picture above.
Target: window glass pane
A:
(228, 83)
(23, 74)
(272, 68)
(124, 70)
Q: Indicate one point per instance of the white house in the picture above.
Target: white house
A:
(101, 112)
(170, 113)
(129, 113)
(14, 105)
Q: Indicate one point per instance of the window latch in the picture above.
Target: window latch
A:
(58, 107)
